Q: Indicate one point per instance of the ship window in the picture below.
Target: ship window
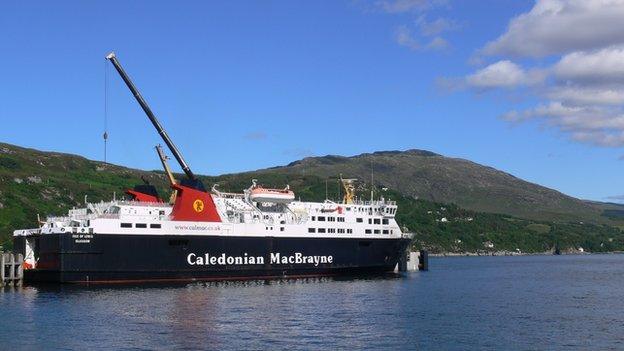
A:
(377, 221)
(376, 231)
(126, 225)
(331, 219)
(384, 221)
(349, 231)
(140, 225)
(341, 219)
(321, 219)
(348, 208)
(331, 230)
(281, 229)
(155, 226)
(341, 231)
(359, 220)
(367, 231)
(311, 230)
(321, 230)
(161, 212)
(370, 221)
(385, 231)
(314, 218)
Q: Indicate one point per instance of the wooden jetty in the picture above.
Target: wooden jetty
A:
(11, 269)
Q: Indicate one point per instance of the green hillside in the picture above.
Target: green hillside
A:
(34, 182)
(429, 176)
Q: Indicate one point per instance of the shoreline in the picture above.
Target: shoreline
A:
(511, 253)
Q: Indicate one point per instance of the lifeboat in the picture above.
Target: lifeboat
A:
(282, 196)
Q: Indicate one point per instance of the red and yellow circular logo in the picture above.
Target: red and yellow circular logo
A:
(198, 205)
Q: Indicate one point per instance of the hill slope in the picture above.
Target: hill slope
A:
(429, 176)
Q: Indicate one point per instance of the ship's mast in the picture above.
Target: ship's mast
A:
(172, 181)
(163, 134)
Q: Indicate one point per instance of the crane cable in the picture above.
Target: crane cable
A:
(105, 135)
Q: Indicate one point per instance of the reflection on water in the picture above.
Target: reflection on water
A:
(568, 302)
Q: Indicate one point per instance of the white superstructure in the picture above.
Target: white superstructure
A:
(240, 217)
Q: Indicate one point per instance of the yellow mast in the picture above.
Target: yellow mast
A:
(172, 181)
(349, 189)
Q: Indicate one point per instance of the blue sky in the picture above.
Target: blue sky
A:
(243, 85)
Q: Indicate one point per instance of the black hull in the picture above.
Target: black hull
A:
(102, 258)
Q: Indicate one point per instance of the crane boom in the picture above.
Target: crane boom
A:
(163, 134)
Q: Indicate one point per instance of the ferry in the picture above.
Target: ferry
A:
(200, 234)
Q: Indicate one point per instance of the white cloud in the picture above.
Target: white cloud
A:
(600, 138)
(589, 124)
(560, 26)
(502, 74)
(402, 6)
(582, 93)
(597, 67)
(404, 36)
(420, 33)
(582, 96)
(435, 27)
(438, 43)
(256, 135)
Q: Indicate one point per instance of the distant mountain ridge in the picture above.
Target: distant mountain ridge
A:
(431, 176)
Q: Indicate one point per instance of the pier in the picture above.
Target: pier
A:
(413, 261)
(11, 269)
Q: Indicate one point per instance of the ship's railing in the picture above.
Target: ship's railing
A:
(59, 219)
(143, 203)
(374, 203)
(231, 195)
(109, 215)
(26, 232)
